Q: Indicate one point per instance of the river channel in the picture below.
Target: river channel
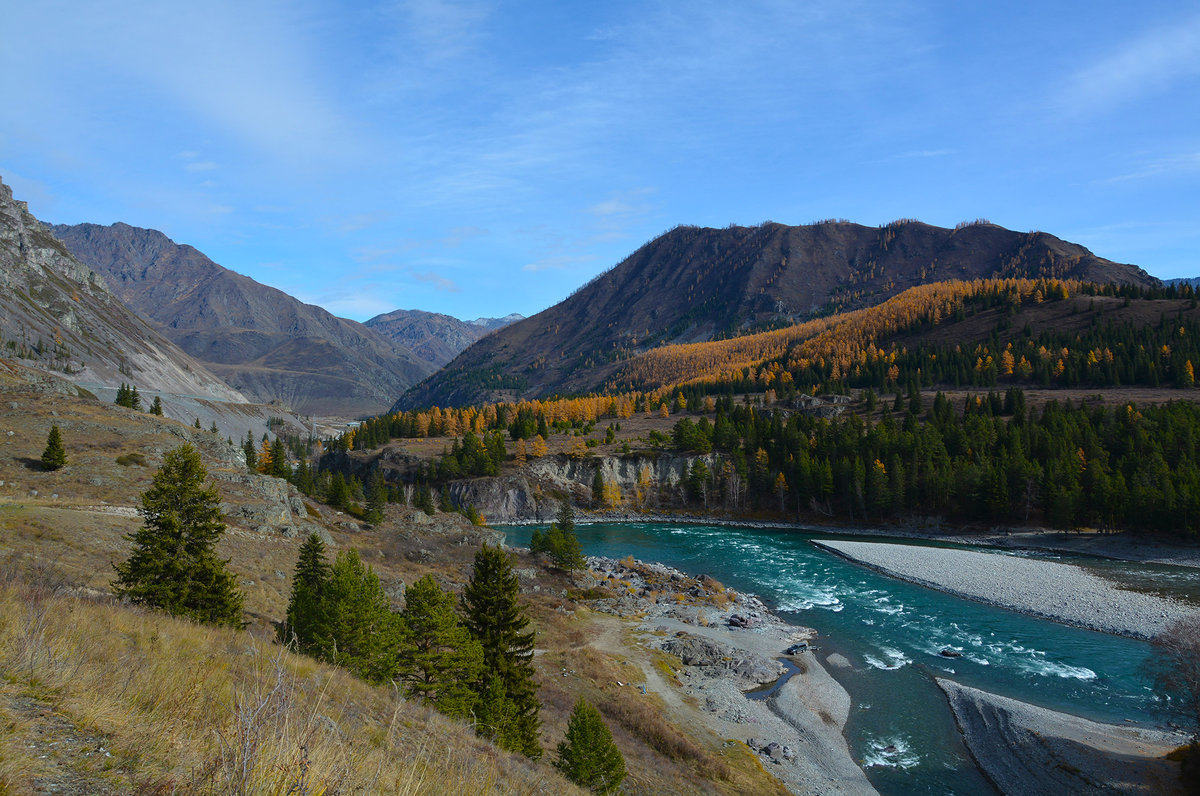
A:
(892, 633)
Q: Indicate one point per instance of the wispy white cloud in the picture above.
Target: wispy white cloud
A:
(1181, 165)
(436, 280)
(557, 262)
(1149, 63)
(926, 153)
(244, 71)
(200, 165)
(460, 235)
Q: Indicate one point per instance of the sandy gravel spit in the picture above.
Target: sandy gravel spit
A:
(1026, 750)
(1051, 590)
(724, 651)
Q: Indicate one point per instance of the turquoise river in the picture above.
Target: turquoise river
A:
(892, 633)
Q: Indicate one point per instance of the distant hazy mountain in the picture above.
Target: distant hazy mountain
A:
(693, 283)
(492, 324)
(434, 337)
(1194, 281)
(58, 314)
(258, 339)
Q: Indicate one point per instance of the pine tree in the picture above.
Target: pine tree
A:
(174, 565)
(376, 498)
(338, 494)
(55, 455)
(279, 460)
(439, 661)
(197, 423)
(251, 450)
(423, 499)
(135, 400)
(598, 488)
(587, 756)
(362, 627)
(561, 542)
(156, 407)
(307, 614)
(496, 620)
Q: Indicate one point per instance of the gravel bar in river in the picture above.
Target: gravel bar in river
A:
(1049, 589)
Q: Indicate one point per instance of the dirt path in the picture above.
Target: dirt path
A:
(62, 758)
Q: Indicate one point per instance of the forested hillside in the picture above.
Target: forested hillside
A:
(693, 284)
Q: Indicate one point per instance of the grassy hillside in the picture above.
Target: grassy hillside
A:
(98, 697)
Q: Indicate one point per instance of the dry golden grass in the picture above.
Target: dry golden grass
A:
(190, 709)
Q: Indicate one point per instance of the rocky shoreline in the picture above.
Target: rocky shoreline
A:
(718, 648)
(1048, 589)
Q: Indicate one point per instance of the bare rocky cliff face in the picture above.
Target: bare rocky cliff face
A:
(538, 491)
(58, 314)
(260, 340)
(693, 284)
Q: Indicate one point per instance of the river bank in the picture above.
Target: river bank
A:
(1048, 589)
(1120, 546)
(901, 728)
(713, 648)
(1025, 749)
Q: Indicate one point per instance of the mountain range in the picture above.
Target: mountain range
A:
(208, 324)
(59, 314)
(261, 341)
(694, 284)
(433, 337)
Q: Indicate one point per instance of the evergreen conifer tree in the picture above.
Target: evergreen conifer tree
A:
(251, 450)
(423, 499)
(135, 400)
(561, 542)
(598, 488)
(538, 543)
(587, 756)
(156, 407)
(438, 659)
(307, 614)
(174, 565)
(376, 498)
(279, 460)
(497, 621)
(362, 627)
(338, 494)
(125, 395)
(55, 455)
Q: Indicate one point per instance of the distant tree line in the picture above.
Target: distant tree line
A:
(989, 460)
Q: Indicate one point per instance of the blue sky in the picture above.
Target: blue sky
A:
(485, 157)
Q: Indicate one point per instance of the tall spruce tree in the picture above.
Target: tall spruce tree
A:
(174, 565)
(156, 407)
(587, 756)
(438, 659)
(362, 627)
(280, 468)
(307, 612)
(55, 455)
(497, 621)
(376, 498)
